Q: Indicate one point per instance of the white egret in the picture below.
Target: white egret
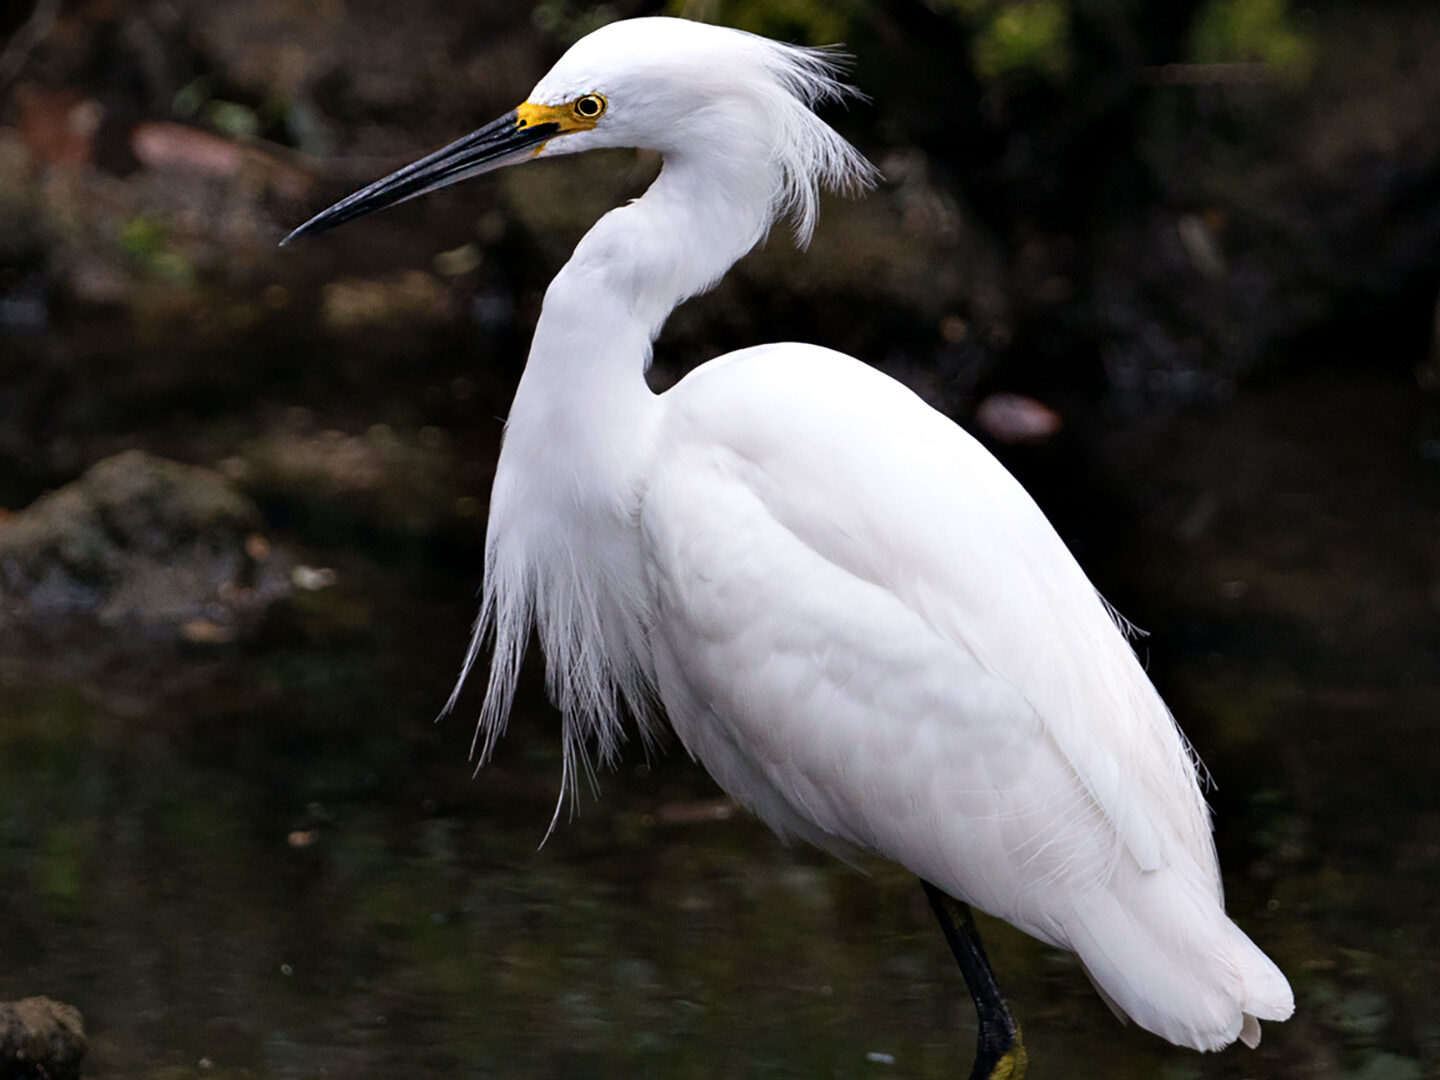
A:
(851, 614)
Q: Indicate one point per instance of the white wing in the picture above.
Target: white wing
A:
(869, 633)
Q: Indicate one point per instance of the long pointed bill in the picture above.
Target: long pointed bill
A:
(508, 140)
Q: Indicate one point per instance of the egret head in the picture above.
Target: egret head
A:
(683, 88)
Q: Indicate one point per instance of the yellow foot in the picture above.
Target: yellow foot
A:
(1013, 1062)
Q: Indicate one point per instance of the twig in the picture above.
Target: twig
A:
(1235, 74)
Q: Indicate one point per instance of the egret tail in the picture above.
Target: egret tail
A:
(1203, 988)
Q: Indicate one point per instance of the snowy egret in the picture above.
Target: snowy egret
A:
(851, 614)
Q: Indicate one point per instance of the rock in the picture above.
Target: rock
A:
(40, 1039)
(139, 543)
(382, 481)
(384, 305)
(1017, 419)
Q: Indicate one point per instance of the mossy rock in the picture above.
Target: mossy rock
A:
(138, 542)
(41, 1039)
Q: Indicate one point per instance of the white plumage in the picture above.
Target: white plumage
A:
(852, 615)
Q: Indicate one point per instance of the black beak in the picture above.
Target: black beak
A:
(503, 142)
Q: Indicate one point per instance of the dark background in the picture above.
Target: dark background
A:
(1177, 264)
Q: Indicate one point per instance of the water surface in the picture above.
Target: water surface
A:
(268, 861)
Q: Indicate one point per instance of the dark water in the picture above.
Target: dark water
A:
(271, 863)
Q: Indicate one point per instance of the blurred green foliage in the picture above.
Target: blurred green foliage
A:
(233, 120)
(146, 241)
(568, 21)
(1019, 38)
(191, 97)
(813, 22)
(1008, 37)
(1255, 31)
(201, 99)
(1014, 40)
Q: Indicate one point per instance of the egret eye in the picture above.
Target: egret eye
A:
(589, 107)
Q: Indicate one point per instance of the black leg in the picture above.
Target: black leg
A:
(1000, 1053)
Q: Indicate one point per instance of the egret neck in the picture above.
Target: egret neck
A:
(580, 434)
(592, 346)
(583, 396)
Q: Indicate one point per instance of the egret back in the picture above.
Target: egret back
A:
(870, 634)
(875, 484)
